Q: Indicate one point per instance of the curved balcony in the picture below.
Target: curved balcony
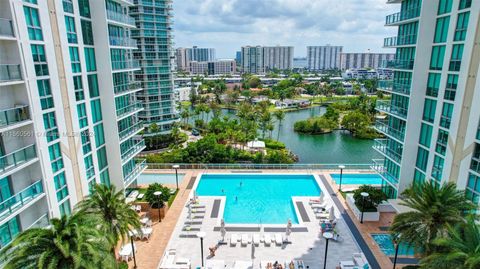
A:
(378, 166)
(135, 172)
(123, 42)
(10, 72)
(129, 109)
(389, 108)
(17, 158)
(120, 18)
(399, 64)
(12, 116)
(402, 16)
(381, 145)
(383, 127)
(18, 201)
(132, 130)
(391, 87)
(125, 65)
(133, 150)
(398, 41)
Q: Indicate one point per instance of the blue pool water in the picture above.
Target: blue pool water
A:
(159, 178)
(261, 198)
(357, 179)
(384, 241)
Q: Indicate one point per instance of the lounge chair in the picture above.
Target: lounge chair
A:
(278, 239)
(256, 239)
(215, 264)
(324, 204)
(360, 260)
(245, 239)
(233, 240)
(267, 240)
(242, 265)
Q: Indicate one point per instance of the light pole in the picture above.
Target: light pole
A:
(364, 196)
(341, 167)
(158, 194)
(327, 236)
(201, 235)
(396, 242)
(176, 167)
(133, 251)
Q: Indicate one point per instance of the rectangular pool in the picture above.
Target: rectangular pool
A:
(150, 178)
(384, 241)
(357, 179)
(258, 199)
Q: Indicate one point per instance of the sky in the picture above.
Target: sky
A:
(227, 25)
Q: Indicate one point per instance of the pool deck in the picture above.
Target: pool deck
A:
(306, 246)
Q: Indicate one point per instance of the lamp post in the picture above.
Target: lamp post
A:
(364, 196)
(327, 236)
(341, 167)
(396, 242)
(176, 167)
(201, 235)
(133, 251)
(158, 194)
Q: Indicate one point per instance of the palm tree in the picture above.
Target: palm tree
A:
(280, 116)
(69, 242)
(459, 249)
(116, 217)
(434, 208)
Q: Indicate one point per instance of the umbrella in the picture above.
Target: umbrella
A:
(253, 251)
(190, 212)
(331, 217)
(288, 230)
(223, 231)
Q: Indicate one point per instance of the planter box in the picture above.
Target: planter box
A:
(367, 216)
(153, 212)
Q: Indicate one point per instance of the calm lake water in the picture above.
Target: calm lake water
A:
(336, 147)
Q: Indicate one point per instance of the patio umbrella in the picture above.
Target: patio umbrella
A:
(288, 230)
(223, 231)
(331, 217)
(190, 212)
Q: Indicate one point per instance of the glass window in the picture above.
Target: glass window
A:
(465, 4)
(90, 59)
(422, 159)
(61, 186)
(75, 60)
(84, 7)
(82, 115)
(438, 54)
(71, 32)
(8, 231)
(433, 84)
(93, 85)
(450, 91)
(429, 110)
(105, 177)
(65, 209)
(425, 135)
(50, 124)
(437, 168)
(56, 160)
(418, 177)
(33, 23)
(456, 59)
(39, 60)
(68, 6)
(87, 32)
(102, 158)
(96, 110)
(78, 85)
(462, 25)
(442, 142)
(444, 6)
(31, 1)
(446, 118)
(86, 145)
(99, 135)
(89, 168)
(475, 164)
(441, 30)
(45, 93)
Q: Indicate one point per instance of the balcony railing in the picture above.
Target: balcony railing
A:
(41, 222)
(403, 40)
(390, 86)
(125, 65)
(129, 109)
(399, 64)
(120, 17)
(402, 16)
(14, 203)
(378, 166)
(254, 166)
(131, 130)
(381, 145)
(127, 87)
(17, 158)
(123, 42)
(6, 28)
(14, 115)
(10, 72)
(387, 107)
(384, 127)
(139, 167)
(140, 145)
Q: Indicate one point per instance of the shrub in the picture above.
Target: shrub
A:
(152, 199)
(375, 197)
(273, 144)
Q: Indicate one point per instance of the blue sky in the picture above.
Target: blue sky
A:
(227, 25)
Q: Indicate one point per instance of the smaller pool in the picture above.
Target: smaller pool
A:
(150, 178)
(384, 241)
(357, 179)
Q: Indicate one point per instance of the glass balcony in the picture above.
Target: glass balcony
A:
(402, 16)
(125, 65)
(120, 17)
(391, 87)
(17, 158)
(14, 115)
(6, 28)
(387, 107)
(14, 203)
(383, 172)
(139, 167)
(41, 222)
(131, 130)
(10, 72)
(123, 42)
(129, 109)
(397, 41)
(384, 127)
(133, 150)
(127, 87)
(399, 64)
(381, 145)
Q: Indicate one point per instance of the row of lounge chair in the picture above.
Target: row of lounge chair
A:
(358, 262)
(292, 264)
(256, 239)
(193, 224)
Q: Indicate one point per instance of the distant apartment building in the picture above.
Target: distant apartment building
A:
(238, 58)
(324, 57)
(362, 73)
(185, 55)
(219, 67)
(181, 59)
(259, 60)
(364, 60)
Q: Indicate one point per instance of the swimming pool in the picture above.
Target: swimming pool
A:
(258, 199)
(384, 241)
(159, 178)
(357, 179)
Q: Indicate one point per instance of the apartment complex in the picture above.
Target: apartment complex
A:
(154, 40)
(219, 67)
(432, 124)
(185, 55)
(259, 60)
(67, 84)
(323, 57)
(364, 60)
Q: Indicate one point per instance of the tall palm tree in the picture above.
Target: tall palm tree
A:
(434, 208)
(460, 249)
(116, 217)
(280, 116)
(70, 242)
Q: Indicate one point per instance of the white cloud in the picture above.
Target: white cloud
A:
(227, 25)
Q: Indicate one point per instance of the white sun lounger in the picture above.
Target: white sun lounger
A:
(256, 239)
(233, 239)
(278, 239)
(245, 239)
(242, 265)
(215, 264)
(267, 240)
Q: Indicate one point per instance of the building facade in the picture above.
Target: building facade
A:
(364, 60)
(64, 65)
(185, 55)
(154, 38)
(278, 58)
(323, 57)
(432, 123)
(220, 67)
(252, 60)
